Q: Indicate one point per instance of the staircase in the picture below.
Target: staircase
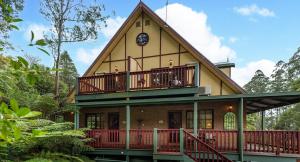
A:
(199, 151)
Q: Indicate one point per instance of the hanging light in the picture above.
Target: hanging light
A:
(229, 108)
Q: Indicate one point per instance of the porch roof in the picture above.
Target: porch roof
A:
(266, 101)
(253, 102)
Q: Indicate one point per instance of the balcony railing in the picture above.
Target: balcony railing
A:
(180, 76)
(168, 140)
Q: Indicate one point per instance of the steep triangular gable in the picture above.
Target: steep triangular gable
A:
(142, 8)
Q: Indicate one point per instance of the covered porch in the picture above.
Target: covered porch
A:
(130, 135)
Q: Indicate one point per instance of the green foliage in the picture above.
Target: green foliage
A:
(68, 70)
(285, 77)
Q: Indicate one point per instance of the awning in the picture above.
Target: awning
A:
(266, 101)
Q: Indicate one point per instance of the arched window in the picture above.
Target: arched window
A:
(229, 121)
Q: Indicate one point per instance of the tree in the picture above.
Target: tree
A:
(289, 120)
(72, 21)
(258, 84)
(68, 70)
(9, 10)
(278, 81)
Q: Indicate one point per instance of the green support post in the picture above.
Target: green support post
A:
(155, 139)
(240, 130)
(128, 81)
(262, 120)
(195, 122)
(181, 140)
(76, 119)
(127, 126)
(197, 73)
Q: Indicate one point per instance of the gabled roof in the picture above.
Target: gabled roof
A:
(141, 7)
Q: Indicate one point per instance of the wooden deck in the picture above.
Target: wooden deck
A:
(168, 140)
(159, 78)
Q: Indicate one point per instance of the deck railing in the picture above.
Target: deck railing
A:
(103, 138)
(102, 83)
(272, 141)
(221, 140)
(200, 151)
(179, 76)
(141, 139)
(168, 140)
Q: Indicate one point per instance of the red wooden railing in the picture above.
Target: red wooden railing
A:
(141, 139)
(276, 142)
(168, 140)
(199, 151)
(103, 138)
(179, 76)
(102, 83)
(272, 141)
(221, 140)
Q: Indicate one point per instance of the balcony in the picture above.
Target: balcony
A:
(158, 78)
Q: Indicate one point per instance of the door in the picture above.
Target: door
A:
(113, 126)
(175, 122)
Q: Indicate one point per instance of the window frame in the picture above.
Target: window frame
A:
(98, 124)
(199, 118)
(235, 121)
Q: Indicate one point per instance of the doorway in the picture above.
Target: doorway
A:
(113, 127)
(175, 122)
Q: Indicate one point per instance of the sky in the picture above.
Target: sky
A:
(253, 34)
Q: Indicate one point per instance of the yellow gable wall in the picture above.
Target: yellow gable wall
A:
(160, 49)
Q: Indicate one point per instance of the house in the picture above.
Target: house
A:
(151, 96)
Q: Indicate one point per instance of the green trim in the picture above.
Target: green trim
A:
(262, 120)
(240, 130)
(76, 119)
(139, 93)
(195, 122)
(181, 141)
(155, 139)
(127, 126)
(225, 65)
(197, 73)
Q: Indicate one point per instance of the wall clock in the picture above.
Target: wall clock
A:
(142, 39)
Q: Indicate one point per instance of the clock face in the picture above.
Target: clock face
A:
(142, 39)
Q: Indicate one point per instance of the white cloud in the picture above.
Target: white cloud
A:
(195, 29)
(232, 39)
(243, 75)
(38, 29)
(254, 9)
(113, 24)
(87, 56)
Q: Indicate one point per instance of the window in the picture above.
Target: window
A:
(95, 121)
(229, 121)
(189, 120)
(205, 119)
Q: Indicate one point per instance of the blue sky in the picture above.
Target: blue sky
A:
(253, 34)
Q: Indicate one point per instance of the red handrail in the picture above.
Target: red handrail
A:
(168, 140)
(199, 151)
(104, 138)
(141, 139)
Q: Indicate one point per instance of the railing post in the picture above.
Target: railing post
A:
(76, 118)
(195, 122)
(127, 125)
(155, 140)
(197, 73)
(262, 120)
(240, 130)
(181, 140)
(127, 80)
